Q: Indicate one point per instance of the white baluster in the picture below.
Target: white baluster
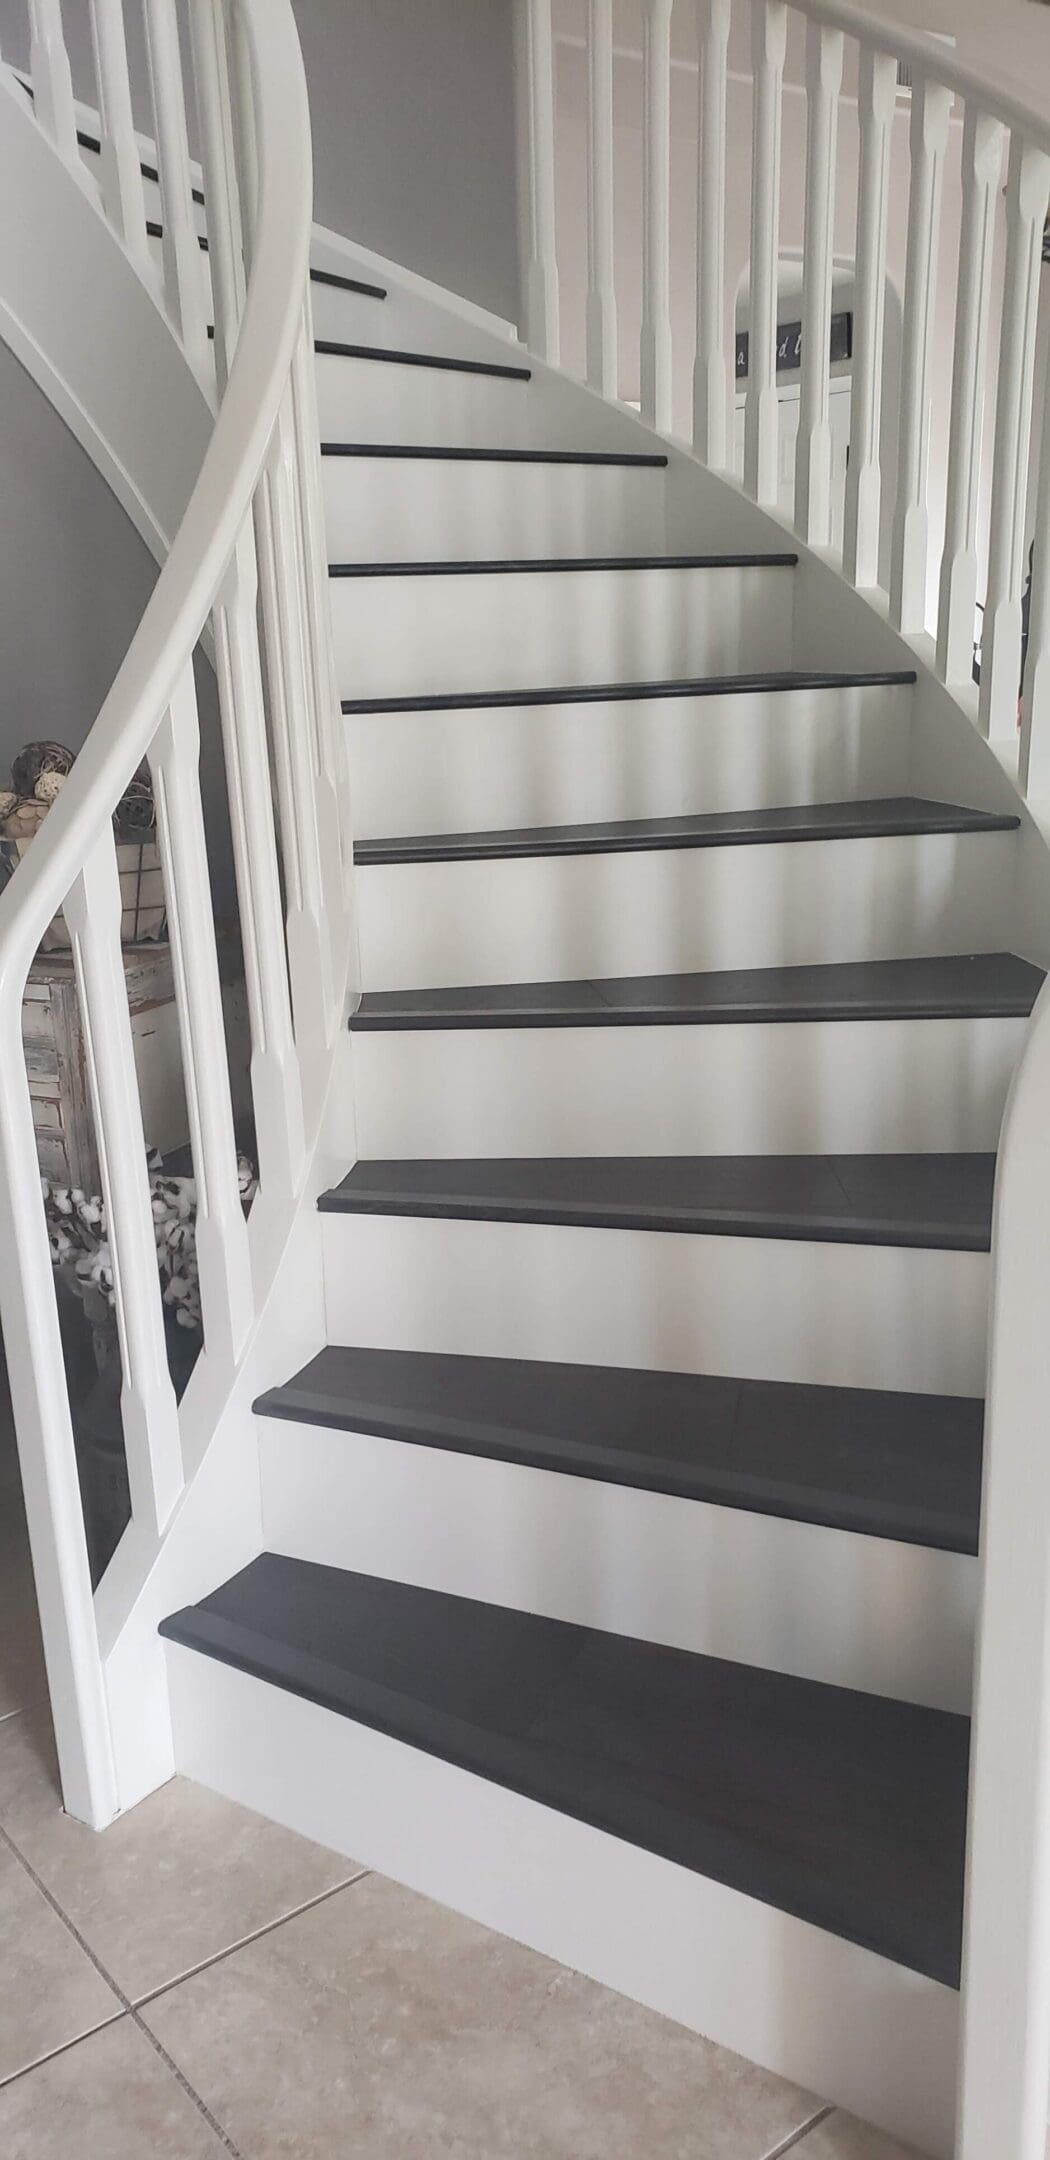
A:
(293, 734)
(223, 1263)
(712, 367)
(333, 780)
(275, 1073)
(183, 283)
(761, 412)
(541, 277)
(47, 1453)
(1001, 640)
(877, 97)
(656, 217)
(225, 244)
(1034, 769)
(120, 168)
(601, 269)
(931, 107)
(813, 455)
(93, 911)
(51, 79)
(982, 157)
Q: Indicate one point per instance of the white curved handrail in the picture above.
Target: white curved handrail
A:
(996, 502)
(251, 533)
(185, 592)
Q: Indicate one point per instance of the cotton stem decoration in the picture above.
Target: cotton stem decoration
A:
(77, 1230)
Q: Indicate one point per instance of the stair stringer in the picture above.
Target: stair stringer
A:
(218, 1524)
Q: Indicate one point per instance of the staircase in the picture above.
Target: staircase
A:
(577, 1515)
(619, 1575)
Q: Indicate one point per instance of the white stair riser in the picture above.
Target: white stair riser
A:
(877, 1316)
(857, 1612)
(656, 911)
(432, 635)
(451, 510)
(389, 401)
(861, 2031)
(479, 769)
(850, 1087)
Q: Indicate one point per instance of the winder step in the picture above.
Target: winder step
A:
(623, 693)
(894, 815)
(906, 1467)
(943, 1202)
(965, 986)
(846, 1810)
(340, 351)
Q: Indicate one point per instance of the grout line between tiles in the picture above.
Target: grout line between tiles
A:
(792, 2142)
(128, 2006)
(50, 2055)
(268, 1928)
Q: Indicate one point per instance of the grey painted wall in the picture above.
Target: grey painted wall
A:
(412, 106)
(74, 581)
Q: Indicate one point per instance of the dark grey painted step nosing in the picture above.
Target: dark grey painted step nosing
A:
(443, 453)
(149, 172)
(156, 232)
(532, 564)
(342, 283)
(338, 349)
(847, 1810)
(704, 686)
(995, 986)
(897, 817)
(932, 1202)
(901, 1467)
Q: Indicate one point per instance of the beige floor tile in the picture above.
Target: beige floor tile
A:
(172, 1883)
(109, 2098)
(384, 2026)
(50, 1992)
(842, 2137)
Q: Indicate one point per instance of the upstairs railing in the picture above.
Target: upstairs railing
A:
(995, 518)
(249, 562)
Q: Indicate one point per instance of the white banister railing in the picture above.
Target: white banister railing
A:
(260, 476)
(945, 504)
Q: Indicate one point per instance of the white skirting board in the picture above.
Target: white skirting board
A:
(858, 1612)
(847, 2024)
(826, 1087)
(484, 768)
(878, 1316)
(656, 911)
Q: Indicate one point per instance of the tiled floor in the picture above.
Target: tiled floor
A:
(199, 1982)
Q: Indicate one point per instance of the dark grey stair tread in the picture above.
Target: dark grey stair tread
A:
(846, 1810)
(887, 1465)
(348, 284)
(962, 986)
(940, 1201)
(786, 679)
(898, 815)
(91, 142)
(518, 565)
(339, 350)
(467, 456)
(156, 232)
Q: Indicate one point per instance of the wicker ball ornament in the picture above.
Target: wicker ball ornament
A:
(36, 759)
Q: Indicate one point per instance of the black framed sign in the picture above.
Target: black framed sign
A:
(789, 344)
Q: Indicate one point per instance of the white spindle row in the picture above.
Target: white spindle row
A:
(279, 710)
